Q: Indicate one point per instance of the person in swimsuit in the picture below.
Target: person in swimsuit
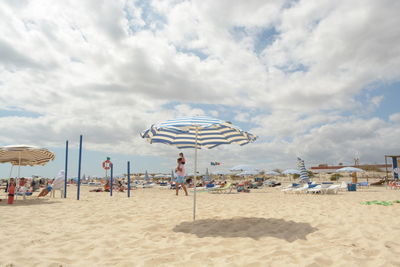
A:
(180, 177)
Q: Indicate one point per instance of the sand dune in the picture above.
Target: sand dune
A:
(154, 228)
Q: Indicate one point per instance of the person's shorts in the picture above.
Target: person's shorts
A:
(180, 179)
(49, 188)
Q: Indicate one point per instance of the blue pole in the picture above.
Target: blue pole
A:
(66, 169)
(111, 179)
(129, 179)
(79, 168)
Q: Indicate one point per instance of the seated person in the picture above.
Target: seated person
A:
(107, 186)
(45, 191)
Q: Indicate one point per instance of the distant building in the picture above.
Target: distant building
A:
(325, 168)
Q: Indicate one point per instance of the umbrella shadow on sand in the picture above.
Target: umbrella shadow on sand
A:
(28, 202)
(250, 227)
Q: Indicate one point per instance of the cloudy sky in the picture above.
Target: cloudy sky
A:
(318, 79)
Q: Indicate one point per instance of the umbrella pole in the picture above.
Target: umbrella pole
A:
(19, 164)
(11, 171)
(195, 175)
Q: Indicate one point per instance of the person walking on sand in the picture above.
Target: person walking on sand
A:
(180, 177)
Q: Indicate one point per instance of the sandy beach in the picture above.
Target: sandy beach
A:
(155, 228)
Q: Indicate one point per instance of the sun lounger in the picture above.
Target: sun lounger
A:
(227, 188)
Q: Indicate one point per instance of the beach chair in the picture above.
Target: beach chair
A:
(300, 190)
(290, 188)
(227, 188)
(333, 189)
(315, 190)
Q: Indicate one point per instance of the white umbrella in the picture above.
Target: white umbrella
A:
(349, 169)
(247, 173)
(271, 173)
(291, 171)
(241, 168)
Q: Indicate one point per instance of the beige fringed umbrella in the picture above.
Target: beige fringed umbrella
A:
(23, 155)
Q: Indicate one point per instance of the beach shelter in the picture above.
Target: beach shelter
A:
(195, 133)
(24, 155)
(304, 177)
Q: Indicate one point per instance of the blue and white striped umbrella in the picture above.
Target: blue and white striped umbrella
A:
(210, 133)
(303, 172)
(196, 132)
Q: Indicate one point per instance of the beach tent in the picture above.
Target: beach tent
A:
(24, 155)
(195, 133)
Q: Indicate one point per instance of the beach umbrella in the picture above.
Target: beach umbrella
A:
(23, 155)
(146, 176)
(273, 173)
(247, 173)
(303, 172)
(221, 173)
(241, 168)
(291, 171)
(206, 177)
(196, 132)
(349, 169)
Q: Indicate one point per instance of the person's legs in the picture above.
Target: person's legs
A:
(177, 188)
(184, 189)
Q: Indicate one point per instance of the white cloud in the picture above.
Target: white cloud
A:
(111, 69)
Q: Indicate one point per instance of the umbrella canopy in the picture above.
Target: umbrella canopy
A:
(247, 173)
(161, 176)
(221, 173)
(196, 132)
(291, 171)
(303, 172)
(271, 173)
(23, 155)
(349, 169)
(241, 168)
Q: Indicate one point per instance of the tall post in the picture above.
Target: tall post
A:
(129, 179)
(66, 169)
(111, 179)
(195, 174)
(79, 168)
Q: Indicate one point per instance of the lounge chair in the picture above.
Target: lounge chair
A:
(333, 189)
(290, 188)
(300, 190)
(227, 188)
